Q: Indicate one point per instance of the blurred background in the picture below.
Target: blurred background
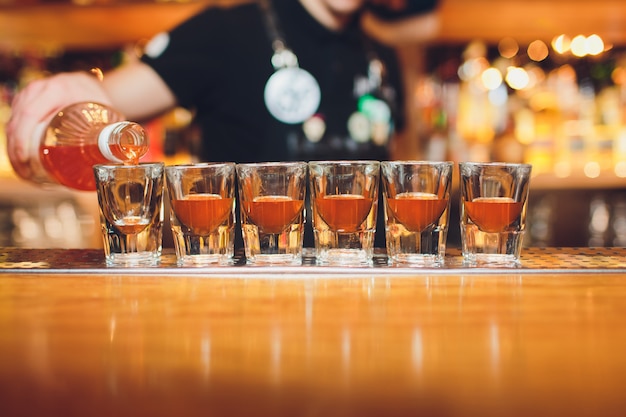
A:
(542, 82)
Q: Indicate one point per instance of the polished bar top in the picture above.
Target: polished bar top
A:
(533, 260)
(455, 342)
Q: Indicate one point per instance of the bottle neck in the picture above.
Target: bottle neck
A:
(123, 142)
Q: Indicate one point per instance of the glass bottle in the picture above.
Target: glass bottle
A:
(80, 136)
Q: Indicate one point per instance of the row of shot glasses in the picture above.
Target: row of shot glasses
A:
(273, 199)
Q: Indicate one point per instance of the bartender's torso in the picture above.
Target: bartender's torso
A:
(218, 63)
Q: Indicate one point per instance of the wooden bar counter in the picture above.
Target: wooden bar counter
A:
(547, 339)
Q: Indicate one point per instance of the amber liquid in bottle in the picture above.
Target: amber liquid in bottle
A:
(70, 145)
(72, 165)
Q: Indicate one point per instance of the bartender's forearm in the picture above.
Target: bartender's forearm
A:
(138, 92)
(416, 29)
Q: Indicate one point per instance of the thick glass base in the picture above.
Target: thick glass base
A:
(417, 260)
(493, 260)
(491, 249)
(345, 257)
(426, 249)
(133, 259)
(204, 260)
(274, 259)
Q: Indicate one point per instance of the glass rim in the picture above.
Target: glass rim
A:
(199, 165)
(271, 163)
(496, 164)
(121, 165)
(417, 162)
(346, 162)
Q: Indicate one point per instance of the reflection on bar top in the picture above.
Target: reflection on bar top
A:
(534, 260)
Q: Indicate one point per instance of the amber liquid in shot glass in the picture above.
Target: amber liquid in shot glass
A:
(131, 211)
(271, 199)
(494, 197)
(417, 199)
(344, 196)
(202, 212)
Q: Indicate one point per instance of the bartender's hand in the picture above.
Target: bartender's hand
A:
(36, 104)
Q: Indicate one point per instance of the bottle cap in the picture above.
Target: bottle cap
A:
(104, 141)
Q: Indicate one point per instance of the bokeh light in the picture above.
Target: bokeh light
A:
(491, 78)
(472, 68)
(517, 78)
(579, 46)
(619, 76)
(594, 45)
(592, 169)
(561, 44)
(537, 50)
(620, 169)
(508, 48)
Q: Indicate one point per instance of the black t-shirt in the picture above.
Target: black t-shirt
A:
(218, 62)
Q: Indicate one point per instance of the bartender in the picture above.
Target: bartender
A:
(267, 81)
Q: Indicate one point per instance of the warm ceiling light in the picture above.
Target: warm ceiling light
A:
(472, 68)
(620, 169)
(579, 46)
(592, 169)
(508, 47)
(619, 76)
(517, 78)
(566, 73)
(595, 45)
(561, 44)
(491, 78)
(537, 50)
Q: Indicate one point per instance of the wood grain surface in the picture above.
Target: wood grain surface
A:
(422, 345)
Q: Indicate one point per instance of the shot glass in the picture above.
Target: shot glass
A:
(271, 200)
(494, 198)
(202, 206)
(417, 202)
(344, 197)
(130, 199)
